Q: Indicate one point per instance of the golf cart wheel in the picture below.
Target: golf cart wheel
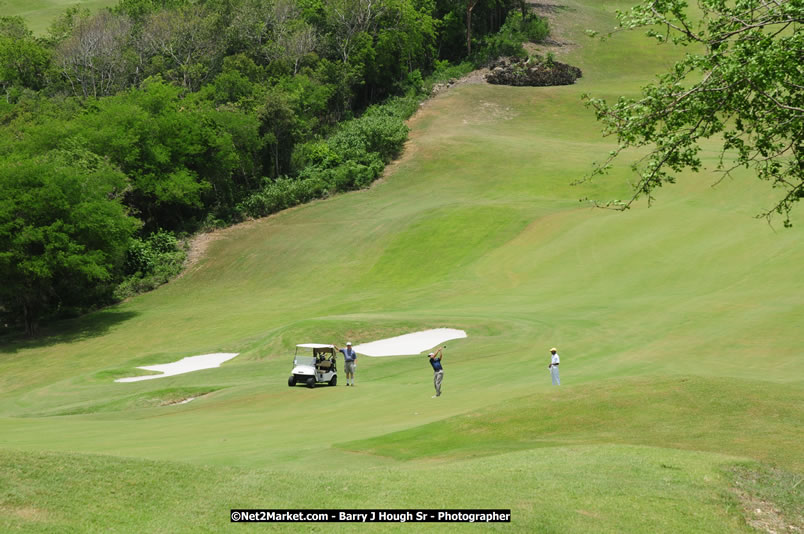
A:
(333, 381)
(292, 381)
(311, 382)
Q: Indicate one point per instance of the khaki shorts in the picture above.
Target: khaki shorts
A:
(349, 367)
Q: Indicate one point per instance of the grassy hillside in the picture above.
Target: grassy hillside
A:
(678, 327)
(39, 14)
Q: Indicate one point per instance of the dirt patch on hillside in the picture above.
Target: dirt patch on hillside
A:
(197, 249)
(765, 516)
(771, 498)
(27, 513)
(486, 112)
(475, 77)
(557, 41)
(199, 243)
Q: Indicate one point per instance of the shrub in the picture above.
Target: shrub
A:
(413, 85)
(285, 192)
(535, 29)
(139, 257)
(163, 242)
(445, 71)
(314, 154)
(375, 132)
(150, 263)
(353, 157)
(400, 107)
(508, 41)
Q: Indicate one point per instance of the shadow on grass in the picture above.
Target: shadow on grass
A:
(66, 331)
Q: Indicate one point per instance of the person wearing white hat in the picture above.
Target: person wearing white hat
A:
(554, 361)
(349, 362)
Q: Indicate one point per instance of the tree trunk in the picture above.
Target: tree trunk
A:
(276, 158)
(469, 9)
(31, 321)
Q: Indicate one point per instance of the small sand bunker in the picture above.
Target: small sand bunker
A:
(185, 401)
(185, 365)
(414, 343)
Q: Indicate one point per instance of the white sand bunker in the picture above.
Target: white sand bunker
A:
(185, 365)
(414, 343)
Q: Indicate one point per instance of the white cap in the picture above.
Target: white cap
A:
(431, 354)
(349, 343)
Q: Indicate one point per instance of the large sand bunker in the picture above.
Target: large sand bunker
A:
(185, 365)
(414, 343)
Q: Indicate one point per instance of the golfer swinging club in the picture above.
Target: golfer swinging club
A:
(554, 361)
(438, 371)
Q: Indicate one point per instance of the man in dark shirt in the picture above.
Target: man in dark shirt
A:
(438, 370)
(349, 363)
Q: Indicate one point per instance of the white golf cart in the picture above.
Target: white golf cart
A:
(311, 370)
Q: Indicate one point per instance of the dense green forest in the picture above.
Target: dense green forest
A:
(124, 130)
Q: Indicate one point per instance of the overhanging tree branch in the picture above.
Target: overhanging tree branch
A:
(749, 95)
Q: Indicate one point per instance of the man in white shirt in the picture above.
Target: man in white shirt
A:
(554, 361)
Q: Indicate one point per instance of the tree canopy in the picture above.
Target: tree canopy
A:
(123, 128)
(63, 233)
(741, 81)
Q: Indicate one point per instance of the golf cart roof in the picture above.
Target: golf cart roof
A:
(315, 346)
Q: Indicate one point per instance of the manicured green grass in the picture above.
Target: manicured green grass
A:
(678, 328)
(562, 489)
(717, 415)
(40, 14)
(148, 399)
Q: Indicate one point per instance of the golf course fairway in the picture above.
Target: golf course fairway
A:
(681, 407)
